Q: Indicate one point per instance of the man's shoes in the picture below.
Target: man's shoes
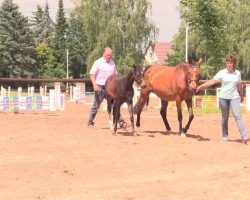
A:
(123, 125)
(90, 124)
(225, 139)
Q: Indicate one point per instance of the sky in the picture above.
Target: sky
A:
(165, 14)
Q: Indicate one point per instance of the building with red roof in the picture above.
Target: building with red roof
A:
(158, 52)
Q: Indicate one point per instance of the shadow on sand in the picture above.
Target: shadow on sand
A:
(128, 132)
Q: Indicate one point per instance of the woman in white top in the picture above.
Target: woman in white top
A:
(230, 96)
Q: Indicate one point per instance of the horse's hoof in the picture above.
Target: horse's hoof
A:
(183, 135)
(134, 133)
(113, 131)
(111, 127)
(137, 130)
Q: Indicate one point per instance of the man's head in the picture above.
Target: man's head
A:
(107, 54)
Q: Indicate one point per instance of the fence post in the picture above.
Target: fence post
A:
(9, 92)
(248, 97)
(57, 95)
(19, 90)
(52, 106)
(82, 89)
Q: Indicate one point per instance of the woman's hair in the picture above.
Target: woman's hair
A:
(231, 58)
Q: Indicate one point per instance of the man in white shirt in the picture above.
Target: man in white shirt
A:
(100, 71)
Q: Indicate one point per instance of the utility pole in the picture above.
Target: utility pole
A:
(186, 43)
(67, 71)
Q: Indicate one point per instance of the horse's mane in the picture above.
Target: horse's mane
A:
(183, 66)
(189, 63)
(180, 66)
(146, 68)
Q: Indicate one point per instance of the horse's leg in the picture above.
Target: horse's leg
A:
(180, 117)
(146, 104)
(144, 97)
(114, 117)
(130, 110)
(116, 114)
(109, 108)
(138, 120)
(189, 104)
(163, 112)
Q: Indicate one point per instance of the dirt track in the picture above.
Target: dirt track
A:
(55, 156)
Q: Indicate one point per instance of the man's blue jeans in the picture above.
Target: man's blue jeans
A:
(225, 105)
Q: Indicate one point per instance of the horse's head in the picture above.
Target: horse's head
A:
(193, 76)
(138, 75)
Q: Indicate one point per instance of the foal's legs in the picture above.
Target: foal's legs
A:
(130, 110)
(163, 112)
(190, 112)
(109, 108)
(116, 115)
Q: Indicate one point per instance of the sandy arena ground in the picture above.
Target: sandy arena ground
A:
(55, 156)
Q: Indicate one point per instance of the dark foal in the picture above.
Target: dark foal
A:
(118, 90)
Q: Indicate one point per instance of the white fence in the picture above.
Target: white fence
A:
(55, 101)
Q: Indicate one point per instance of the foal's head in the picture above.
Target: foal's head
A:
(193, 75)
(138, 75)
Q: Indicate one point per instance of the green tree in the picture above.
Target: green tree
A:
(208, 20)
(61, 28)
(216, 28)
(178, 45)
(77, 45)
(16, 43)
(48, 66)
(43, 26)
(239, 35)
(38, 15)
(121, 24)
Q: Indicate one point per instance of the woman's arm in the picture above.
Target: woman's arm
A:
(240, 90)
(207, 84)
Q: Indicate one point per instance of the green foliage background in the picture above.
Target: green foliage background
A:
(36, 47)
(216, 29)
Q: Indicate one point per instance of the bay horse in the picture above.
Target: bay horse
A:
(170, 84)
(118, 90)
